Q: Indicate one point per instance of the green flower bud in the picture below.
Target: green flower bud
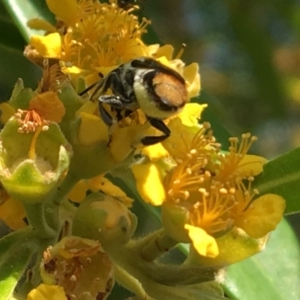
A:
(105, 219)
(31, 164)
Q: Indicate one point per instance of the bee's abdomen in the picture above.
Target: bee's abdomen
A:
(158, 94)
(170, 93)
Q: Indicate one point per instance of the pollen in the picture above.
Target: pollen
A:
(29, 121)
(192, 172)
(212, 211)
(231, 166)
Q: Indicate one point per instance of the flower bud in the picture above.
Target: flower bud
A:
(104, 218)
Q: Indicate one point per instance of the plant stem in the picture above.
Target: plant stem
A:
(158, 246)
(53, 203)
(36, 216)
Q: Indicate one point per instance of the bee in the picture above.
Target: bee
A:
(144, 83)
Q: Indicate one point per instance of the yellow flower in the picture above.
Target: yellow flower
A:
(91, 35)
(47, 292)
(205, 192)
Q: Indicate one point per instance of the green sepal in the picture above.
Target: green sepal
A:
(26, 179)
(72, 102)
(21, 96)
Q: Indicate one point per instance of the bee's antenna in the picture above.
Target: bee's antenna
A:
(91, 86)
(88, 89)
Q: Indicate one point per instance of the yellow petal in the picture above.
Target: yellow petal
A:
(12, 214)
(204, 243)
(66, 12)
(92, 129)
(192, 77)
(47, 46)
(152, 49)
(234, 246)
(149, 183)
(124, 140)
(252, 165)
(165, 51)
(6, 111)
(47, 292)
(177, 145)
(78, 192)
(40, 24)
(191, 114)
(100, 183)
(88, 107)
(155, 152)
(262, 216)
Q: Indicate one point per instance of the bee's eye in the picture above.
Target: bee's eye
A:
(170, 90)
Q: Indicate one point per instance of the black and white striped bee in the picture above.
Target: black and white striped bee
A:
(144, 83)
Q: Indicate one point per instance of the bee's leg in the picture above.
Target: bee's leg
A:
(161, 126)
(112, 100)
(105, 116)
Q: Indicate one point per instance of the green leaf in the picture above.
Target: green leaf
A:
(12, 271)
(271, 274)
(22, 11)
(16, 250)
(14, 39)
(13, 238)
(281, 176)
